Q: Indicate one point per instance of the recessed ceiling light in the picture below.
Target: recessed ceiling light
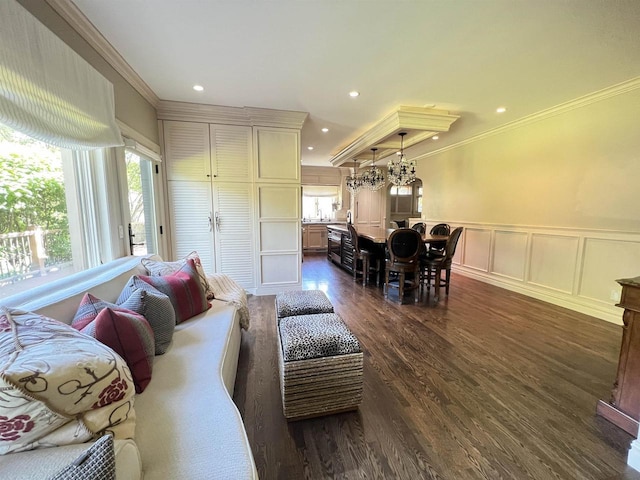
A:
(325, 130)
(501, 110)
(435, 137)
(309, 148)
(354, 94)
(198, 88)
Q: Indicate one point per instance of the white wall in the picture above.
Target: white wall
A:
(551, 205)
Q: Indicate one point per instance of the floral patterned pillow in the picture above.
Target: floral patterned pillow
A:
(58, 386)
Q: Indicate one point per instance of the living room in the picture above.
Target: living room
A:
(542, 189)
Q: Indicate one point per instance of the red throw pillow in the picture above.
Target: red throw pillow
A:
(183, 289)
(129, 335)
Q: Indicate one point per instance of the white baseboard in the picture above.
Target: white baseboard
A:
(633, 460)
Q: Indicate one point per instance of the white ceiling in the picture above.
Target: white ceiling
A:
(465, 56)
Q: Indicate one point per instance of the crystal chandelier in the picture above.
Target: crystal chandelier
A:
(373, 179)
(354, 181)
(401, 170)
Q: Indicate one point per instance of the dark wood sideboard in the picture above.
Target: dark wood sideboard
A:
(623, 409)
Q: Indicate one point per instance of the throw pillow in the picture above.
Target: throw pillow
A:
(130, 336)
(96, 463)
(153, 305)
(183, 289)
(156, 268)
(58, 386)
(91, 306)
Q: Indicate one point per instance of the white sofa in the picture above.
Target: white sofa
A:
(187, 426)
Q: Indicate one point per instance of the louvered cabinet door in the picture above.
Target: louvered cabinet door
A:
(231, 152)
(187, 151)
(234, 234)
(191, 222)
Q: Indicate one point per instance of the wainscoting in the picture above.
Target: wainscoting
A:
(572, 268)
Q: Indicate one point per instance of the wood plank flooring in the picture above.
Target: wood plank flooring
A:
(487, 384)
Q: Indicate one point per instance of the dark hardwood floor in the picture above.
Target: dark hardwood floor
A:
(485, 384)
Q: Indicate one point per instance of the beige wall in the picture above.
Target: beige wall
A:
(550, 208)
(131, 107)
(579, 169)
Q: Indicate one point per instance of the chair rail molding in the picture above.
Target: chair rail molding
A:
(574, 268)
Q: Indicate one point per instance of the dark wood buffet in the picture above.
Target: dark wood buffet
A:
(623, 409)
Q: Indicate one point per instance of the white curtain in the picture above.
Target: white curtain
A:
(49, 92)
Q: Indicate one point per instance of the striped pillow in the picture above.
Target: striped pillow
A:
(183, 289)
(91, 306)
(130, 336)
(153, 305)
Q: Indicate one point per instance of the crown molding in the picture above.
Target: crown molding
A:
(579, 102)
(81, 24)
(419, 124)
(249, 116)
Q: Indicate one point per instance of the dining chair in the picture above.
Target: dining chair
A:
(439, 229)
(404, 246)
(393, 224)
(420, 227)
(431, 266)
(367, 261)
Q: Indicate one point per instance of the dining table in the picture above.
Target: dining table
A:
(379, 235)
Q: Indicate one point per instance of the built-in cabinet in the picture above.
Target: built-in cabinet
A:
(314, 237)
(234, 192)
(368, 208)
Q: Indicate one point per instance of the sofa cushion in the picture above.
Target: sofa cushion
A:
(97, 462)
(158, 268)
(130, 336)
(153, 305)
(183, 289)
(58, 386)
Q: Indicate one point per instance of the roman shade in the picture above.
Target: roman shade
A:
(49, 92)
(320, 190)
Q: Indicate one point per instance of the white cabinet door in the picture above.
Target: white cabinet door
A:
(187, 152)
(191, 228)
(231, 152)
(277, 155)
(233, 220)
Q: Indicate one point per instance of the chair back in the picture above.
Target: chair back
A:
(393, 224)
(405, 245)
(354, 237)
(452, 242)
(441, 229)
(420, 228)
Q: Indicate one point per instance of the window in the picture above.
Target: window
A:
(406, 199)
(320, 202)
(142, 223)
(59, 211)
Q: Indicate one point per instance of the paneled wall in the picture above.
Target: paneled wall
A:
(572, 268)
(549, 203)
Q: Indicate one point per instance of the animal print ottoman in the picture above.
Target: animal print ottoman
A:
(320, 366)
(302, 302)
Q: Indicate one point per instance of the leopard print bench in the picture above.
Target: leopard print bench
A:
(320, 366)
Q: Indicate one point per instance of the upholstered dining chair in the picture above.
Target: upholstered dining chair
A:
(439, 229)
(403, 264)
(431, 266)
(419, 227)
(364, 262)
(393, 224)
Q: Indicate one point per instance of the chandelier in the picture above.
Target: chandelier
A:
(401, 170)
(354, 181)
(373, 179)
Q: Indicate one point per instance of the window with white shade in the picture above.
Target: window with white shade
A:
(320, 202)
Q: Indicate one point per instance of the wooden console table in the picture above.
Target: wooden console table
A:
(624, 407)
